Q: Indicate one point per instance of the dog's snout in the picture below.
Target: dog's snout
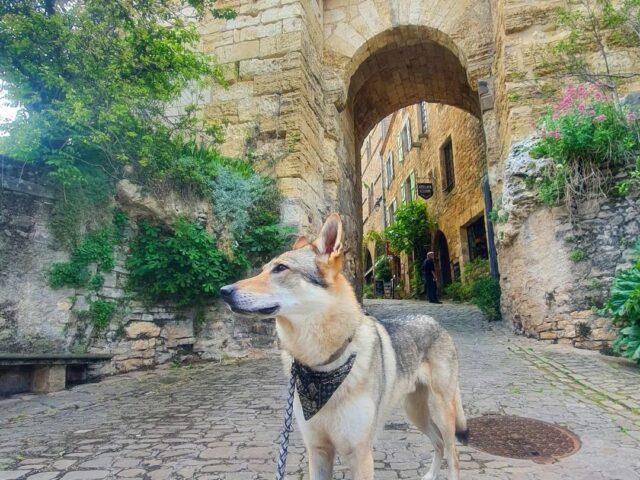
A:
(227, 291)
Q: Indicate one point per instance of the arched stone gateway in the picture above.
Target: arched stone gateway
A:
(403, 66)
(309, 78)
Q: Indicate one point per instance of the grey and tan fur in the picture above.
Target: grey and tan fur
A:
(410, 360)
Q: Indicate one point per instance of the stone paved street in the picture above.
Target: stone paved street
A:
(221, 421)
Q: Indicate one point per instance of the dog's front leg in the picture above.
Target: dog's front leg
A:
(321, 462)
(361, 464)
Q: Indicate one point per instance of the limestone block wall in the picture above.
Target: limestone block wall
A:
(546, 294)
(31, 314)
(276, 105)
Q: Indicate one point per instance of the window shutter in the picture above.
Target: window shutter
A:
(412, 180)
(423, 118)
(402, 194)
(400, 148)
(409, 137)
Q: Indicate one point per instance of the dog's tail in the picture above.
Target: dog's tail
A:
(462, 432)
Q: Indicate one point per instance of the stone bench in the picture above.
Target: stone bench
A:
(45, 372)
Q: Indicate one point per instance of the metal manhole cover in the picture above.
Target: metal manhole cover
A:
(524, 438)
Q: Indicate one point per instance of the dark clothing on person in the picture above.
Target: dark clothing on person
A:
(430, 286)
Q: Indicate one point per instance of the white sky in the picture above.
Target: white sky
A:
(7, 112)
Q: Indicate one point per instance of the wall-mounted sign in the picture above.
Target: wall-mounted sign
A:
(425, 190)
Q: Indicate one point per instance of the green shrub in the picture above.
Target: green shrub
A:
(476, 269)
(585, 135)
(183, 266)
(411, 227)
(577, 255)
(485, 293)
(68, 274)
(416, 281)
(624, 305)
(382, 269)
(100, 313)
(368, 290)
(457, 292)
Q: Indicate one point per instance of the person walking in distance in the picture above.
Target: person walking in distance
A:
(429, 274)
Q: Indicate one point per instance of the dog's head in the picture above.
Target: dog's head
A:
(297, 282)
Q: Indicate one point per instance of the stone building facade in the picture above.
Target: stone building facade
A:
(313, 77)
(443, 146)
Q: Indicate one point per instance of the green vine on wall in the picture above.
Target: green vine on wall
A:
(96, 248)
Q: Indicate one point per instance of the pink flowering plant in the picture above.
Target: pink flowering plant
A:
(587, 138)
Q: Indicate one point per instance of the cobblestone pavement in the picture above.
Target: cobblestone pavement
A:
(221, 422)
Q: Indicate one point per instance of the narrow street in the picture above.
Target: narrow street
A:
(221, 421)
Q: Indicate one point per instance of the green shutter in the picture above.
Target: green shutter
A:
(412, 180)
(402, 194)
(400, 148)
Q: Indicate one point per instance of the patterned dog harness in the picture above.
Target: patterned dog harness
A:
(315, 389)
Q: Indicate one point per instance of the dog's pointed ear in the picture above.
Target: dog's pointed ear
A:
(300, 242)
(329, 242)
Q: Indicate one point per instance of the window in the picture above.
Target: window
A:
(412, 185)
(404, 140)
(408, 189)
(477, 239)
(389, 170)
(408, 139)
(392, 212)
(446, 166)
(424, 125)
(370, 197)
(368, 148)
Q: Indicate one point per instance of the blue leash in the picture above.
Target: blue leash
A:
(286, 429)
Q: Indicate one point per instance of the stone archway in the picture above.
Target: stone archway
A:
(308, 78)
(399, 67)
(303, 74)
(403, 66)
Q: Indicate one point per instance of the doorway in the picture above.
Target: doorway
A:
(444, 261)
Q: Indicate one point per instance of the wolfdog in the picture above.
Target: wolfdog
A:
(351, 368)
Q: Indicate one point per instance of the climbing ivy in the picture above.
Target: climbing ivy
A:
(96, 248)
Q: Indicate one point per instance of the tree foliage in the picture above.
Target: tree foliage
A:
(183, 265)
(410, 229)
(96, 82)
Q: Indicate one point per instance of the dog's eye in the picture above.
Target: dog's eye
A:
(280, 268)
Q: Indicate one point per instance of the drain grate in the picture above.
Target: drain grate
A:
(520, 437)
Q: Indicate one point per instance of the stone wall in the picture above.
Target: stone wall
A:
(31, 314)
(546, 294)
(36, 318)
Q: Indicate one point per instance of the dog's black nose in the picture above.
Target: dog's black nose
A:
(226, 291)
